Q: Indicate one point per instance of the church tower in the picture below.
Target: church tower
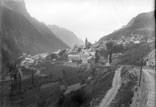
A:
(86, 42)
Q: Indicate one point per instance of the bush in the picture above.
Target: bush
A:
(78, 97)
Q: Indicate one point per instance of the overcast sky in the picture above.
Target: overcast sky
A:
(88, 18)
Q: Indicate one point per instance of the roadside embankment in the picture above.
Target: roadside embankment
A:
(140, 94)
(113, 91)
(145, 96)
(129, 81)
(97, 85)
(150, 84)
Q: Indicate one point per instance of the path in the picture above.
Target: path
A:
(150, 80)
(113, 91)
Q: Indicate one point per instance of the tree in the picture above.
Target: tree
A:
(53, 56)
(62, 53)
(96, 56)
(75, 47)
(32, 76)
(110, 48)
(78, 49)
(13, 74)
(118, 48)
(103, 52)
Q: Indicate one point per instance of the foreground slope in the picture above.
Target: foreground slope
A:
(150, 84)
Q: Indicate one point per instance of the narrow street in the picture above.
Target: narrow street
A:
(113, 91)
(150, 80)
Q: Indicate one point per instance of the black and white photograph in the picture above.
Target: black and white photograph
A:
(77, 53)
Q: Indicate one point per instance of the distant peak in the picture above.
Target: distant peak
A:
(15, 5)
(12, 0)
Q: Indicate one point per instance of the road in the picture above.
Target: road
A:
(113, 91)
(150, 80)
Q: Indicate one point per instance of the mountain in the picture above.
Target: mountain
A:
(26, 33)
(16, 5)
(142, 25)
(137, 37)
(66, 36)
(20, 33)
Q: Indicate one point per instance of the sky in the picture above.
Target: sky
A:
(88, 18)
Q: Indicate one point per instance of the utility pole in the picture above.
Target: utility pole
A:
(38, 95)
(32, 77)
(132, 59)
(141, 71)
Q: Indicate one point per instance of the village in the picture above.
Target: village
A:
(77, 53)
(52, 76)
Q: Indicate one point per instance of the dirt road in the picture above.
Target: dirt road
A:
(150, 80)
(113, 91)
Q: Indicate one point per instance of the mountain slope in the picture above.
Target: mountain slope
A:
(137, 37)
(150, 59)
(66, 36)
(26, 36)
(29, 36)
(142, 24)
(16, 5)
(135, 54)
(20, 33)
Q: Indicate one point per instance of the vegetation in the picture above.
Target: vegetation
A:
(126, 91)
(135, 54)
(111, 47)
(96, 56)
(96, 89)
(40, 85)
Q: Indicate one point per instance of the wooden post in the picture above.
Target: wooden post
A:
(32, 77)
(38, 95)
(141, 71)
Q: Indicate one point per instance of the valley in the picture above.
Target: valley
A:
(50, 66)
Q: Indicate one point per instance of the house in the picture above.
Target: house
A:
(136, 42)
(74, 57)
(27, 62)
(91, 60)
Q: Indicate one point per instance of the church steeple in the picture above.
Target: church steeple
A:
(86, 42)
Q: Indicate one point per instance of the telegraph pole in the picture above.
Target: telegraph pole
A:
(38, 95)
(141, 71)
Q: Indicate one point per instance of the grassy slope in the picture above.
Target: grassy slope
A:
(126, 91)
(140, 95)
(133, 55)
(30, 91)
(94, 91)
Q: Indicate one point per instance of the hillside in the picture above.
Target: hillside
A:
(150, 59)
(20, 33)
(141, 25)
(27, 36)
(18, 6)
(135, 54)
(137, 38)
(66, 36)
